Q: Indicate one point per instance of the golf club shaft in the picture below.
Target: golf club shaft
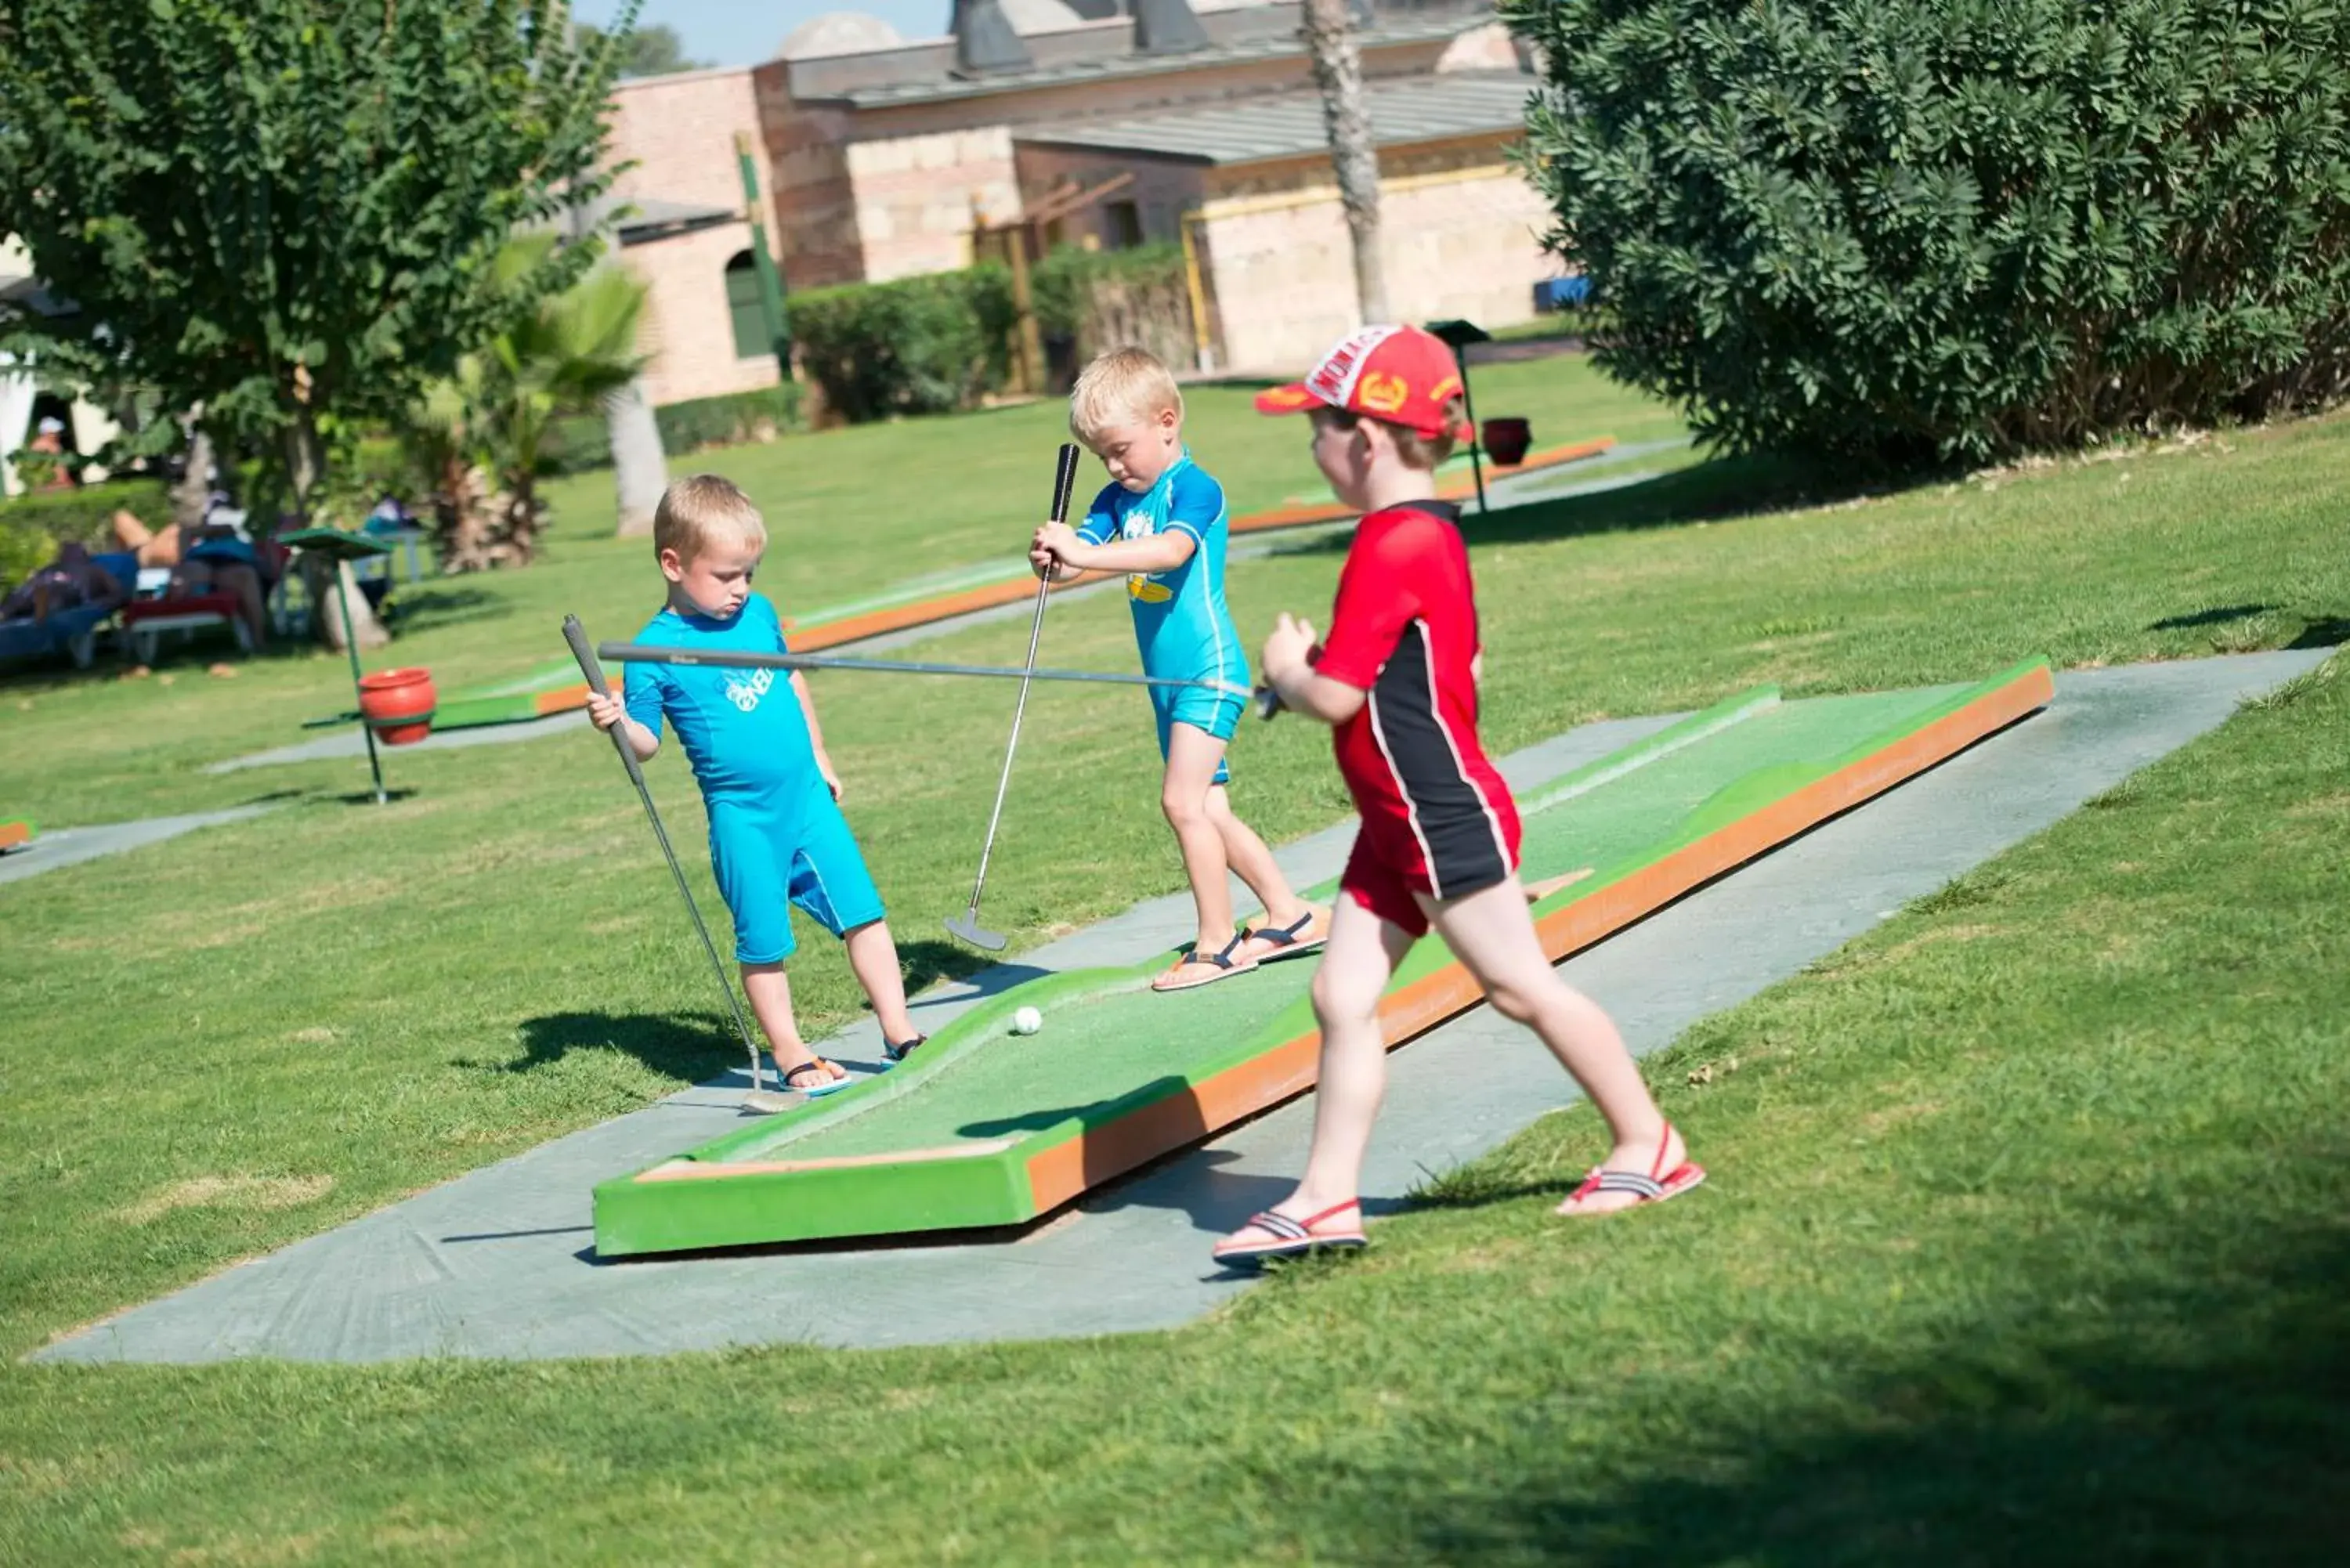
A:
(638, 653)
(1065, 476)
(577, 636)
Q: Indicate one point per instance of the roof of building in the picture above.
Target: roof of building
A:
(1251, 131)
(1112, 68)
(838, 32)
(638, 219)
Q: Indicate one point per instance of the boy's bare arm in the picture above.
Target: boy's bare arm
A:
(815, 733)
(606, 712)
(1289, 670)
(1159, 553)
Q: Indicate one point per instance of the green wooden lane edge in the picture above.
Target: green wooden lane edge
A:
(989, 1187)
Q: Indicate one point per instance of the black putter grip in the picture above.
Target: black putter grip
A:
(1065, 479)
(1269, 703)
(577, 636)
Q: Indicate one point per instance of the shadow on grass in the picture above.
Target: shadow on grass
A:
(2195, 1420)
(2324, 631)
(693, 1047)
(927, 962)
(424, 607)
(1053, 1115)
(2217, 614)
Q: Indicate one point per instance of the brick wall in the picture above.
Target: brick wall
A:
(1461, 237)
(688, 329)
(680, 130)
(915, 197)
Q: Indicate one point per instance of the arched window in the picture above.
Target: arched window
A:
(742, 305)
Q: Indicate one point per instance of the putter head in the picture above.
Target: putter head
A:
(971, 931)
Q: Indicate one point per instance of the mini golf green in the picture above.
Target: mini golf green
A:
(984, 1128)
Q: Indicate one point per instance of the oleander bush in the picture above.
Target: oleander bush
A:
(1915, 231)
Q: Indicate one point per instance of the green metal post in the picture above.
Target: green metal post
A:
(352, 646)
(771, 277)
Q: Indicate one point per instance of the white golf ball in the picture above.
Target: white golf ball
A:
(1027, 1021)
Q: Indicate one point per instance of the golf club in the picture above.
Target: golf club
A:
(640, 653)
(759, 1098)
(966, 925)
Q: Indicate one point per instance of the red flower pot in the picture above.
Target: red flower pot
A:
(398, 704)
(1506, 440)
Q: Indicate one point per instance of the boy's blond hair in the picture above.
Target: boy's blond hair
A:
(701, 509)
(1125, 386)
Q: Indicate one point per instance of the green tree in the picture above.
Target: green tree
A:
(287, 211)
(1907, 230)
(479, 435)
(644, 51)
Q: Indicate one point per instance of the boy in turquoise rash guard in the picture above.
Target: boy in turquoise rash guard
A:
(776, 835)
(1161, 521)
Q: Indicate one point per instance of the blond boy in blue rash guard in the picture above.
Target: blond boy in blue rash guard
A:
(776, 835)
(1161, 521)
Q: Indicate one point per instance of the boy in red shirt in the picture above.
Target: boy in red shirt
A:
(1438, 843)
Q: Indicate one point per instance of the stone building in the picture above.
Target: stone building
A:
(875, 157)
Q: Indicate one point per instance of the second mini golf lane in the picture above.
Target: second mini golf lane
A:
(985, 1127)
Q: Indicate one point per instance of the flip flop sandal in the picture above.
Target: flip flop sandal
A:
(1656, 1187)
(1219, 965)
(898, 1054)
(1291, 940)
(834, 1082)
(1292, 1238)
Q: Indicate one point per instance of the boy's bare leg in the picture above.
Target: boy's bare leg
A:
(1252, 862)
(770, 990)
(1193, 755)
(873, 955)
(1356, 967)
(1492, 933)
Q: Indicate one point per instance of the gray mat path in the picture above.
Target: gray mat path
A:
(498, 1263)
(71, 846)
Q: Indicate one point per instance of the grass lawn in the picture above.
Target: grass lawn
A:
(2026, 1240)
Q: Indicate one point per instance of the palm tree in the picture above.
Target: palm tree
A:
(640, 466)
(480, 435)
(1339, 71)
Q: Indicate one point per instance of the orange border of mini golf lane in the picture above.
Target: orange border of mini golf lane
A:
(1299, 515)
(1063, 1172)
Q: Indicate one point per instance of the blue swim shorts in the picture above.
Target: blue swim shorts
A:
(1217, 712)
(768, 860)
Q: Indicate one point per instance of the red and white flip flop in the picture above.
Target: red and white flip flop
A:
(1655, 1187)
(1293, 1238)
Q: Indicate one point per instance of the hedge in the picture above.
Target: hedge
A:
(728, 419)
(1099, 300)
(920, 344)
(32, 526)
(1914, 230)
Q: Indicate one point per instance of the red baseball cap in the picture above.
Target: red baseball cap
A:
(1399, 374)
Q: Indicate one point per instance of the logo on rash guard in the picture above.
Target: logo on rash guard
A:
(745, 690)
(1144, 585)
